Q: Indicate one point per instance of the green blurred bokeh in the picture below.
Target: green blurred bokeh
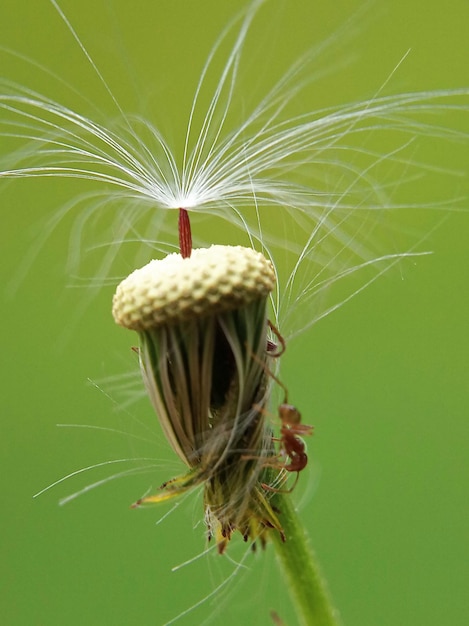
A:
(384, 379)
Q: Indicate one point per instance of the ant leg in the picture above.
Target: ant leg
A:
(270, 344)
(275, 490)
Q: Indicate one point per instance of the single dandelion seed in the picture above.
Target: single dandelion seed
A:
(202, 323)
(185, 235)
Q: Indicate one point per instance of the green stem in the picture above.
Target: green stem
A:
(305, 582)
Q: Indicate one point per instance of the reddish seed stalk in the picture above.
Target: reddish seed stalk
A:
(185, 235)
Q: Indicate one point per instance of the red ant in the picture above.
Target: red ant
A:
(291, 445)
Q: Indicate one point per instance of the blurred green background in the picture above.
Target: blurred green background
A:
(384, 379)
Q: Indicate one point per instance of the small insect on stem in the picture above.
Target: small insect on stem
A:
(291, 446)
(185, 235)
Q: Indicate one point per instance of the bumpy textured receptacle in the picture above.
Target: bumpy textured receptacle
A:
(176, 289)
(202, 324)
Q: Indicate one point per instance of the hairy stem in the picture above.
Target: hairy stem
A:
(304, 579)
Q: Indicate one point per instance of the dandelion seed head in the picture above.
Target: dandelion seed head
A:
(203, 350)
